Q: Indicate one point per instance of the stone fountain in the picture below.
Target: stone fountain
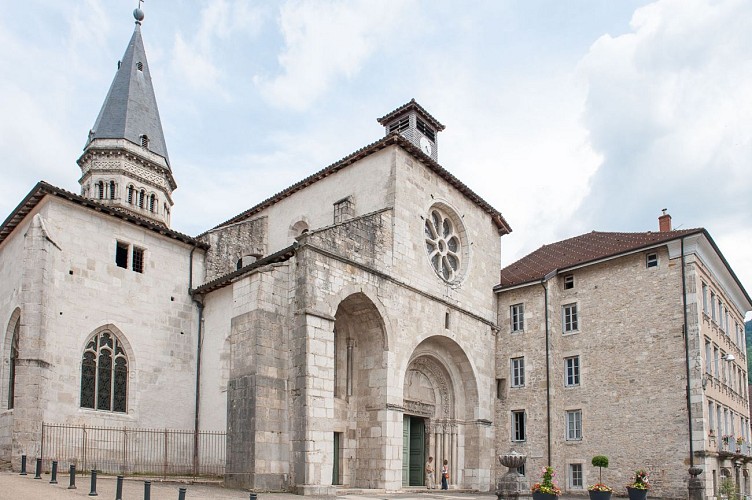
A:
(511, 484)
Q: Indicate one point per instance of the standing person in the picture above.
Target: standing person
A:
(445, 475)
(430, 484)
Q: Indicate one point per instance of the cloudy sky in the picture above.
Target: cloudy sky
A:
(568, 117)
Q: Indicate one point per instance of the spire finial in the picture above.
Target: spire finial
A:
(138, 13)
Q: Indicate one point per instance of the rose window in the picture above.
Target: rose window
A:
(443, 245)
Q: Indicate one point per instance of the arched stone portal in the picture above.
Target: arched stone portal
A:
(440, 397)
(360, 384)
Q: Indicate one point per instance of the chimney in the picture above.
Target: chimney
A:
(664, 221)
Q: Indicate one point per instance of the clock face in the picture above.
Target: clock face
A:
(425, 145)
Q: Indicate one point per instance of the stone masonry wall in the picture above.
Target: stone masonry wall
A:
(632, 368)
(232, 243)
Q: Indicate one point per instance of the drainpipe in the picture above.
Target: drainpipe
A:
(544, 284)
(686, 354)
(199, 342)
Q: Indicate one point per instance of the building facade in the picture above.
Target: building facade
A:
(352, 325)
(593, 360)
(338, 332)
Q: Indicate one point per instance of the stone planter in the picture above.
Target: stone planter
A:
(544, 496)
(636, 493)
(600, 495)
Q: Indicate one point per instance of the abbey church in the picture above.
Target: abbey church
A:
(339, 332)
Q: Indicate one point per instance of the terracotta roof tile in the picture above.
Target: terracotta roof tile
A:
(581, 250)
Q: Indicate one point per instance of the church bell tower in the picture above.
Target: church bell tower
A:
(416, 125)
(125, 163)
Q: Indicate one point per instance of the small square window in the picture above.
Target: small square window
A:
(518, 372)
(574, 425)
(572, 368)
(517, 317)
(518, 425)
(121, 255)
(138, 260)
(568, 282)
(651, 260)
(575, 476)
(570, 321)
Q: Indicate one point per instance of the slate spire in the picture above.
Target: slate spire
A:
(125, 164)
(130, 108)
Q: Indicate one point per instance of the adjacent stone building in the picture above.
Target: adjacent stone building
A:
(593, 360)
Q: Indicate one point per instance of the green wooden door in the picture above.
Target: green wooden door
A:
(417, 451)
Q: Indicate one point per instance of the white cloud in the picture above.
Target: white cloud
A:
(327, 40)
(196, 57)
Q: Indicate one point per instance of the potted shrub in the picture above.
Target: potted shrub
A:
(599, 490)
(638, 489)
(546, 489)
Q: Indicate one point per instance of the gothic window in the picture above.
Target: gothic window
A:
(12, 361)
(112, 190)
(444, 244)
(104, 374)
(141, 196)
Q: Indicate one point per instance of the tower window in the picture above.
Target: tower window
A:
(138, 260)
(399, 125)
(130, 195)
(141, 196)
(121, 255)
(140, 66)
(152, 199)
(425, 130)
(100, 190)
(112, 190)
(144, 141)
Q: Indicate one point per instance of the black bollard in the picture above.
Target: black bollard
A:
(93, 492)
(23, 465)
(119, 488)
(53, 479)
(147, 490)
(38, 471)
(253, 496)
(181, 494)
(72, 472)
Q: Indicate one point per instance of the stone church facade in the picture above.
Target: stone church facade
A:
(340, 332)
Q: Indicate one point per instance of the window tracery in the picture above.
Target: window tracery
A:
(104, 374)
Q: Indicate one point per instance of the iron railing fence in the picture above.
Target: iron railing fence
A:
(132, 451)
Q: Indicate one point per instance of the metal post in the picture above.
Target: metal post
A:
(93, 492)
(181, 494)
(147, 490)
(253, 496)
(23, 465)
(53, 479)
(72, 473)
(38, 469)
(119, 488)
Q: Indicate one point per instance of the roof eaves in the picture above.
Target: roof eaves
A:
(42, 189)
(414, 105)
(389, 140)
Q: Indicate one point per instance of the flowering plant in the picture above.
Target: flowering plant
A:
(547, 484)
(600, 487)
(739, 440)
(641, 480)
